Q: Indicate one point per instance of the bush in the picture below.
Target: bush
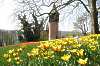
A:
(84, 51)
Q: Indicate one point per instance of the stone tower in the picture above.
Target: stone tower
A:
(53, 23)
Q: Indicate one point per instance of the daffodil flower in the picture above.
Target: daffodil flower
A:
(6, 55)
(9, 59)
(80, 52)
(83, 62)
(56, 48)
(17, 58)
(17, 62)
(66, 57)
(19, 50)
(11, 51)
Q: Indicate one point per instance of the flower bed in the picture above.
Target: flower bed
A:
(28, 43)
(84, 51)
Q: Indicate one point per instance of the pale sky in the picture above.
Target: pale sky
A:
(6, 17)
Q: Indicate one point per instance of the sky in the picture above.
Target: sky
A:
(7, 21)
(7, 17)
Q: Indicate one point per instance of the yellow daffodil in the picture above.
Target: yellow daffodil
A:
(44, 46)
(56, 48)
(6, 55)
(21, 60)
(30, 54)
(66, 57)
(9, 59)
(11, 51)
(76, 45)
(63, 50)
(83, 62)
(73, 50)
(93, 48)
(48, 57)
(15, 54)
(17, 58)
(17, 62)
(80, 52)
(50, 52)
(45, 57)
(35, 51)
(19, 50)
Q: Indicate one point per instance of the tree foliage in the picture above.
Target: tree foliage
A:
(28, 34)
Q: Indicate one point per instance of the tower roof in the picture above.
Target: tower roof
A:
(54, 9)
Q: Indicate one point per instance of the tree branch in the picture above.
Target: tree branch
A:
(35, 19)
(65, 4)
(49, 4)
(85, 6)
(98, 8)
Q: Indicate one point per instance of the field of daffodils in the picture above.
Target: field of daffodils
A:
(83, 51)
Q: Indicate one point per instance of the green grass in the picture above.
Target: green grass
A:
(23, 54)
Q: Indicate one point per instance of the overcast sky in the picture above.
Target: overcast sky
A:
(6, 16)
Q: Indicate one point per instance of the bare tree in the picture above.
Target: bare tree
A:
(92, 10)
(82, 23)
(37, 5)
(94, 16)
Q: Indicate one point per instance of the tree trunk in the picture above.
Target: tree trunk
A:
(94, 17)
